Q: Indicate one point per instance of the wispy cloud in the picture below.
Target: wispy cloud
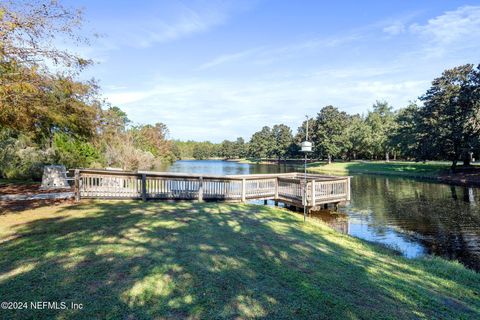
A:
(177, 20)
(188, 21)
(449, 32)
(227, 58)
(395, 28)
(267, 54)
(460, 24)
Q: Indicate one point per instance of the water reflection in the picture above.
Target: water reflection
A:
(418, 217)
(335, 220)
(415, 217)
(227, 167)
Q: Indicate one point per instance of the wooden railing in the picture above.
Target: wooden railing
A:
(288, 187)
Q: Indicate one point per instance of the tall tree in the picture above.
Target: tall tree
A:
(328, 133)
(262, 143)
(357, 135)
(406, 134)
(282, 139)
(382, 123)
(451, 114)
(227, 149)
(240, 148)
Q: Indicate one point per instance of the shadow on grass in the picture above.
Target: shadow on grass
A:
(8, 207)
(136, 260)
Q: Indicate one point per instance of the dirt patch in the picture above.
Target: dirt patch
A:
(16, 206)
(34, 188)
(463, 176)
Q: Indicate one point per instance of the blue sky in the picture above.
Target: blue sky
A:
(214, 70)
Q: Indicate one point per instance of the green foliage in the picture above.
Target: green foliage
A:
(357, 138)
(450, 117)
(22, 158)
(205, 150)
(405, 137)
(113, 121)
(195, 150)
(282, 140)
(381, 122)
(261, 144)
(276, 142)
(233, 149)
(76, 153)
(328, 132)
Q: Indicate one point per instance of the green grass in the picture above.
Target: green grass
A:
(135, 260)
(401, 168)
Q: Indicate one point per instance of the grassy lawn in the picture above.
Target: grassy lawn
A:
(405, 168)
(134, 260)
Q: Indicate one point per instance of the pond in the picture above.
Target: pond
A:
(412, 216)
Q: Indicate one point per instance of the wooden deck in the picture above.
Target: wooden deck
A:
(286, 187)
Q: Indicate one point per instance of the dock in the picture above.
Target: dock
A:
(289, 188)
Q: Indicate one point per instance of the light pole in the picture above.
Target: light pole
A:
(306, 147)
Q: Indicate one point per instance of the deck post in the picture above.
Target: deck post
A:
(244, 194)
(77, 185)
(276, 189)
(304, 193)
(200, 189)
(144, 187)
(348, 188)
(313, 193)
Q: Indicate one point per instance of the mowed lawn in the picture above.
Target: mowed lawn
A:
(402, 168)
(136, 260)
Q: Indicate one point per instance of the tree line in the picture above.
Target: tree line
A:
(443, 124)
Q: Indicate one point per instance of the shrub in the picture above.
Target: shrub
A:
(76, 153)
(21, 158)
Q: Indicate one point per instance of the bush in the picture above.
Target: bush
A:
(76, 153)
(21, 158)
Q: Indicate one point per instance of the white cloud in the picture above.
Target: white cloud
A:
(268, 55)
(227, 58)
(188, 22)
(395, 28)
(462, 24)
(150, 25)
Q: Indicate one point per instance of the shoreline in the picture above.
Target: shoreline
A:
(441, 175)
(457, 179)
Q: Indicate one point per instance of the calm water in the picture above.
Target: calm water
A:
(415, 217)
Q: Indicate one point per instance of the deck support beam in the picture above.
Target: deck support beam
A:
(200, 189)
(313, 193)
(244, 194)
(77, 185)
(144, 187)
